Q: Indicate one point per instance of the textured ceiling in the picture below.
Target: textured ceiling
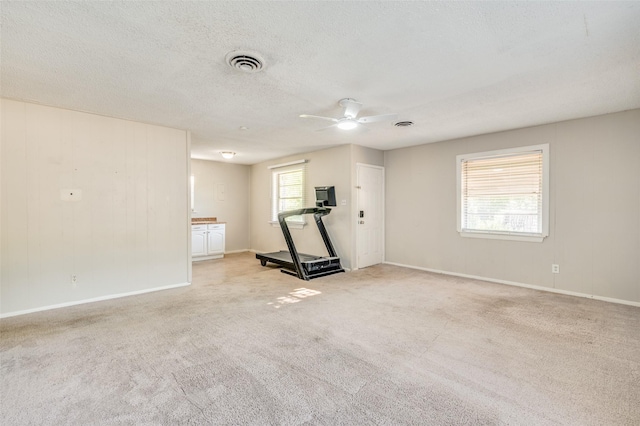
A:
(455, 69)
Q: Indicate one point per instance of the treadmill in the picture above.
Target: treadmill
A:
(307, 266)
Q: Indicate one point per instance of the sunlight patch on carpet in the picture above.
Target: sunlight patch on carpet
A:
(294, 297)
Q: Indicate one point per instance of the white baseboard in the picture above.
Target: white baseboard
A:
(95, 299)
(201, 258)
(517, 284)
(237, 251)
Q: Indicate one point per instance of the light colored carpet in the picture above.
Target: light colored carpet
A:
(384, 345)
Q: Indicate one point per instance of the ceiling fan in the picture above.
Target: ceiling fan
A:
(349, 120)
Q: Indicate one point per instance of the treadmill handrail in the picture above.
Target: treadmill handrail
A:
(309, 210)
(317, 213)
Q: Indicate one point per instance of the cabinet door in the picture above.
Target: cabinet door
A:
(216, 242)
(199, 243)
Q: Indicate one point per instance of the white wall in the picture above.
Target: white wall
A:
(129, 231)
(222, 190)
(595, 209)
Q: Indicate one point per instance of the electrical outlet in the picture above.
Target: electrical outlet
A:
(74, 281)
(555, 268)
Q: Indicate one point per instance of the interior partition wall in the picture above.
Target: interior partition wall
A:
(93, 207)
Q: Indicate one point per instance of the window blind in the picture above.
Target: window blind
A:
(503, 194)
(288, 191)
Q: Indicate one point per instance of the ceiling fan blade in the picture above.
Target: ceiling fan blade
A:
(317, 116)
(326, 128)
(351, 107)
(374, 118)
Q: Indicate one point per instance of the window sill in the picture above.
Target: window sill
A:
(495, 236)
(291, 225)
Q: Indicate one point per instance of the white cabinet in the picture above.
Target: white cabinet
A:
(215, 239)
(207, 241)
(198, 240)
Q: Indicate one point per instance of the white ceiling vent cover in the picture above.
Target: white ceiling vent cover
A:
(245, 61)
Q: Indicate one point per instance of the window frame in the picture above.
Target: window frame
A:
(276, 171)
(506, 235)
(192, 193)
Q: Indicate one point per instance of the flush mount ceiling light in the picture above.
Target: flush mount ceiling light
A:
(403, 123)
(245, 61)
(228, 155)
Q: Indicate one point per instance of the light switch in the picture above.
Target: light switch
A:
(343, 202)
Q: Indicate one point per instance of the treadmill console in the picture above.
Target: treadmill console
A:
(325, 196)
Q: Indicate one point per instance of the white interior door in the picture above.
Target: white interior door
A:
(370, 215)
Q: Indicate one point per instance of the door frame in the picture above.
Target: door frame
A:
(355, 213)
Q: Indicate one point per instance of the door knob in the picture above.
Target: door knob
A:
(361, 222)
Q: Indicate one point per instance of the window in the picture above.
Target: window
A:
(288, 190)
(504, 194)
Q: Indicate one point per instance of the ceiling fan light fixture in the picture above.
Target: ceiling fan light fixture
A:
(350, 119)
(347, 124)
(228, 155)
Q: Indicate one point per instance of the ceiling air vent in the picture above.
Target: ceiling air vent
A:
(245, 61)
(403, 123)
